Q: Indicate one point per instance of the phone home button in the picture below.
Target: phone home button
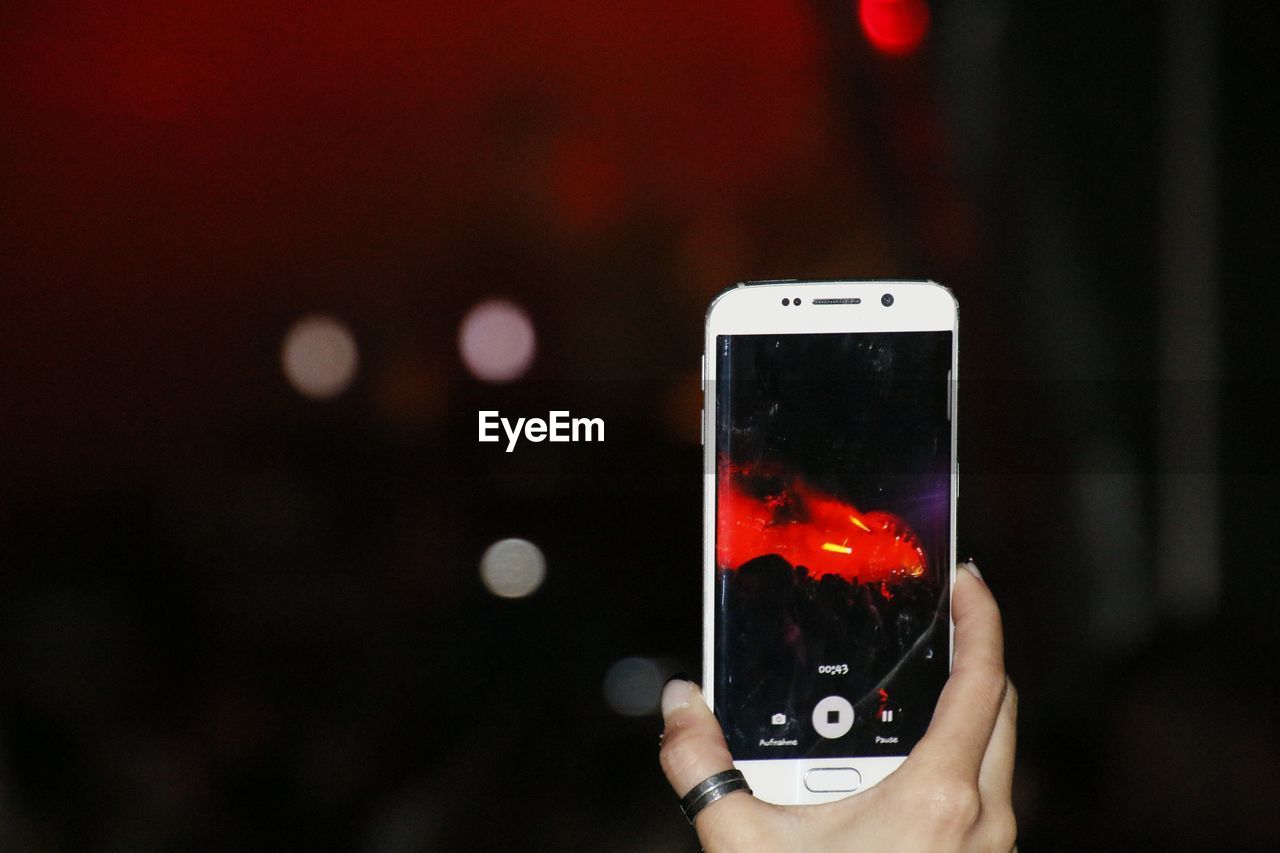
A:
(832, 780)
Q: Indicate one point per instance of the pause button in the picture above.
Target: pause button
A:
(833, 717)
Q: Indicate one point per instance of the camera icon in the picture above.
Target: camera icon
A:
(778, 719)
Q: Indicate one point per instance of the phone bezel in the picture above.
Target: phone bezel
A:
(756, 308)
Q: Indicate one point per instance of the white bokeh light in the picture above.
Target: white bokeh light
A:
(319, 357)
(632, 686)
(513, 568)
(496, 341)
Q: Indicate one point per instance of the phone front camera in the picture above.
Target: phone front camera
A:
(886, 300)
(786, 301)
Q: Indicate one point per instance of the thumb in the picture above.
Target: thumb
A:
(693, 746)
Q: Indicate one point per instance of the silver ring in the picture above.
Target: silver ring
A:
(711, 789)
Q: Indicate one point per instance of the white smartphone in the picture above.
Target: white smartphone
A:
(829, 533)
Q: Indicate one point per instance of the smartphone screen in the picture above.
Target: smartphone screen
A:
(832, 541)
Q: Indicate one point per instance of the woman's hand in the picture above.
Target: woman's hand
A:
(953, 792)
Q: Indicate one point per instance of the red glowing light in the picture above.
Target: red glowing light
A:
(588, 187)
(895, 27)
(762, 514)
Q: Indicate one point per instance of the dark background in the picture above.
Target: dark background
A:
(233, 617)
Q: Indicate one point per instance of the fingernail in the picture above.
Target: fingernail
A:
(676, 695)
(973, 569)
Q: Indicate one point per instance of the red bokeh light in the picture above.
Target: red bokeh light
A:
(894, 26)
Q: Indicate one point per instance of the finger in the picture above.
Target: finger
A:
(693, 746)
(966, 713)
(995, 779)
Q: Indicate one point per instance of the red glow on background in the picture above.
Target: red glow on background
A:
(172, 155)
(894, 26)
(587, 185)
(809, 528)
